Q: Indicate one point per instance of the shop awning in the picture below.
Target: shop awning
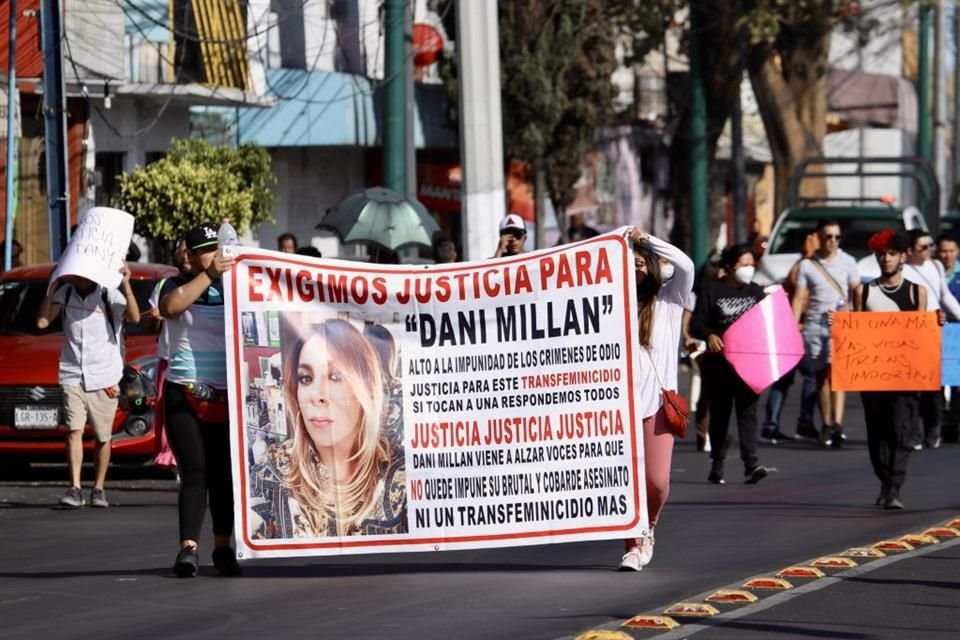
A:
(872, 100)
(326, 108)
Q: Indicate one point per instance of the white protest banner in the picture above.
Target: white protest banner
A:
(97, 247)
(381, 408)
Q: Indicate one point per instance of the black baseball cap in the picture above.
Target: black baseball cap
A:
(201, 236)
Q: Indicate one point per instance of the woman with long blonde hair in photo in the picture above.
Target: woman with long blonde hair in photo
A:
(332, 477)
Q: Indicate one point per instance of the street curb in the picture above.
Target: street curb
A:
(687, 630)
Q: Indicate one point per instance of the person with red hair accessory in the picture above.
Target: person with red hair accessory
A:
(889, 414)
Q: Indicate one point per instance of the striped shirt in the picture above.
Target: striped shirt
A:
(197, 341)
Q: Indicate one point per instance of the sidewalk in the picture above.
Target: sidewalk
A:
(912, 594)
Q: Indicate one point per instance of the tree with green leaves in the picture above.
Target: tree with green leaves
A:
(198, 182)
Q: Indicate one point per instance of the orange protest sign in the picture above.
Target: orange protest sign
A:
(886, 351)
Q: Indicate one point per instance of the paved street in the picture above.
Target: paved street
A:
(93, 573)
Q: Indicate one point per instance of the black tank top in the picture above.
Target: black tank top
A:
(904, 298)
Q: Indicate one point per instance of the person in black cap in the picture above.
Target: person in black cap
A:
(195, 400)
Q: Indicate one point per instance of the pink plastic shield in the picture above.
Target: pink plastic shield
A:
(764, 343)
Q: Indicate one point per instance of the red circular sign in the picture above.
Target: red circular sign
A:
(427, 45)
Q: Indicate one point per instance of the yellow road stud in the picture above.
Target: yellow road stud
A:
(693, 609)
(651, 622)
(767, 583)
(603, 635)
(731, 596)
(801, 572)
(893, 545)
(833, 562)
(863, 552)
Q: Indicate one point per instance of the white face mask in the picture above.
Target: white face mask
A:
(744, 274)
(666, 271)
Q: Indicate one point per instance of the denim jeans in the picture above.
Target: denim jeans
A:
(778, 395)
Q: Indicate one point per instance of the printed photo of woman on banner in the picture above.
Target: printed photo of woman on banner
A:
(338, 467)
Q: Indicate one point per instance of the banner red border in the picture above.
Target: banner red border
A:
(360, 542)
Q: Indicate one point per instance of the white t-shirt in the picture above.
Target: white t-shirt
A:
(930, 276)
(663, 360)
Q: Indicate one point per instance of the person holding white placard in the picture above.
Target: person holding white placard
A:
(91, 365)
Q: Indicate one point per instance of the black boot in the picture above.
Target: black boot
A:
(716, 472)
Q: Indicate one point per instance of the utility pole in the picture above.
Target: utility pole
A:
(955, 155)
(923, 72)
(11, 196)
(481, 128)
(738, 171)
(940, 106)
(698, 151)
(394, 107)
(55, 127)
(409, 133)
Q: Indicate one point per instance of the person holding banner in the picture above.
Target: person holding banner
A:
(194, 404)
(664, 277)
(889, 414)
(721, 303)
(91, 365)
(340, 474)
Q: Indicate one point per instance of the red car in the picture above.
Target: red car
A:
(31, 402)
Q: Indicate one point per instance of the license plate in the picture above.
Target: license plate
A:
(36, 417)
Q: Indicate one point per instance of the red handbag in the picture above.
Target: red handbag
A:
(677, 412)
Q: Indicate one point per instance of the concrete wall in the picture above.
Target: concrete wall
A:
(94, 30)
(309, 181)
(128, 115)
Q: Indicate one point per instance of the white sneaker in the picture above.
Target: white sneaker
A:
(646, 549)
(632, 560)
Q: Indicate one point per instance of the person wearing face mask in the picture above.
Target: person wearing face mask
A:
(720, 304)
(664, 280)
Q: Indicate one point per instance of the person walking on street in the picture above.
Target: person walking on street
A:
(889, 414)
(91, 365)
(948, 251)
(778, 392)
(720, 304)
(827, 281)
(195, 401)
(664, 282)
(154, 321)
(929, 274)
